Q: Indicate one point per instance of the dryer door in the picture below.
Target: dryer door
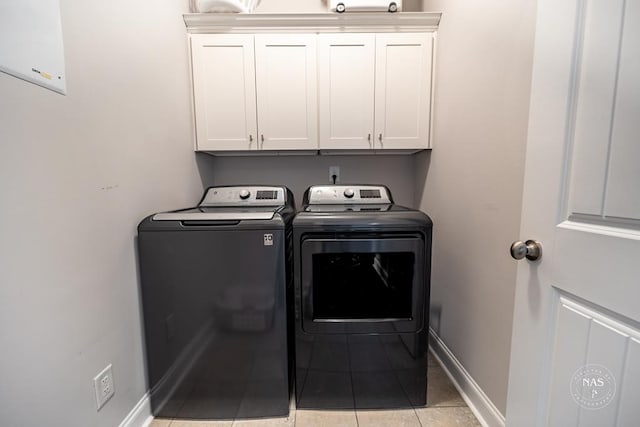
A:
(363, 285)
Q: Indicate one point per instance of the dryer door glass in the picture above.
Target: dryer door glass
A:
(363, 285)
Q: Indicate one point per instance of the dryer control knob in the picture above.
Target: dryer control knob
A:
(244, 194)
(348, 193)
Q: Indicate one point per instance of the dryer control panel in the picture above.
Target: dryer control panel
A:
(348, 194)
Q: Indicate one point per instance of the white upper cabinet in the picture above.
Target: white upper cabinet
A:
(375, 90)
(287, 92)
(224, 91)
(309, 82)
(254, 92)
(346, 67)
(403, 90)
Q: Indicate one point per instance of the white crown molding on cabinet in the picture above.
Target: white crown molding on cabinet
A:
(198, 23)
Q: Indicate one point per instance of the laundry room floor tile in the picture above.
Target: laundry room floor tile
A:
(396, 418)
(160, 422)
(313, 418)
(440, 389)
(200, 423)
(431, 360)
(289, 421)
(445, 408)
(455, 416)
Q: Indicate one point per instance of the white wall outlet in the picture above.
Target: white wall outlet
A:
(104, 386)
(334, 171)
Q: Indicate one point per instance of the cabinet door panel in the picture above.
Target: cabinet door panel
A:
(224, 91)
(346, 65)
(286, 91)
(403, 90)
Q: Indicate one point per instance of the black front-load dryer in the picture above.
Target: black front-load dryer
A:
(361, 281)
(214, 282)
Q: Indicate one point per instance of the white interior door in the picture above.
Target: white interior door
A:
(575, 358)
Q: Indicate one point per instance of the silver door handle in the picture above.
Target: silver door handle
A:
(531, 249)
(380, 139)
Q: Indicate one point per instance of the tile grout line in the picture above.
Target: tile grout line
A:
(416, 414)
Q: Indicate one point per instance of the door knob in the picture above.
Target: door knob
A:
(530, 249)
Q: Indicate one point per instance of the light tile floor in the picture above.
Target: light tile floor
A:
(445, 408)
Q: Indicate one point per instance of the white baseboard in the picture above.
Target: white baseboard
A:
(140, 415)
(479, 403)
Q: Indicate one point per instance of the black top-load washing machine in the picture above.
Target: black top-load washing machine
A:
(214, 285)
(361, 280)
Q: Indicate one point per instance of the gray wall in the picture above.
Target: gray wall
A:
(299, 172)
(77, 173)
(471, 183)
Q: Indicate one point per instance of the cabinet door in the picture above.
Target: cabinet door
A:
(286, 91)
(346, 65)
(224, 91)
(403, 90)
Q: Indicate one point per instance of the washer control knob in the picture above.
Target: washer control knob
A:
(348, 193)
(244, 194)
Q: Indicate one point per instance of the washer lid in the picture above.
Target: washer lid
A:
(234, 203)
(203, 213)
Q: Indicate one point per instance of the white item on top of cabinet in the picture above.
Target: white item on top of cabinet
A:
(341, 6)
(218, 6)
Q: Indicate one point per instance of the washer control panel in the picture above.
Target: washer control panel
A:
(346, 194)
(256, 195)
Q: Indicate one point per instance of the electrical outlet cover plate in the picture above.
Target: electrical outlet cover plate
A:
(104, 386)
